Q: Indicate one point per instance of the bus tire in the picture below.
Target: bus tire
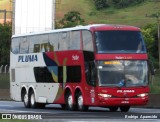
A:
(32, 100)
(124, 108)
(41, 105)
(69, 101)
(80, 103)
(26, 100)
(113, 108)
(63, 106)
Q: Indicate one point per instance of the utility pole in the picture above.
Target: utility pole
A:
(4, 11)
(157, 16)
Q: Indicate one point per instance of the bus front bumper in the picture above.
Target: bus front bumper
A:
(123, 101)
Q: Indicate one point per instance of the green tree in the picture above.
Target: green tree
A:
(151, 39)
(70, 19)
(5, 41)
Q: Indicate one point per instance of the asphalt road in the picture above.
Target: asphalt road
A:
(94, 114)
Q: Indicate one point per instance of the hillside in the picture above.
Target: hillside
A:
(135, 15)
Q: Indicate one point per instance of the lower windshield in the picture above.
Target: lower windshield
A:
(123, 73)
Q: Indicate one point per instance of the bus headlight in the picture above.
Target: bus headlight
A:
(142, 95)
(105, 95)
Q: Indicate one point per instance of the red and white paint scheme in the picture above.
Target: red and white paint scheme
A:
(94, 65)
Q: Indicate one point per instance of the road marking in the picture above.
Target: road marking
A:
(18, 111)
(6, 106)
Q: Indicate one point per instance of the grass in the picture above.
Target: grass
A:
(4, 81)
(155, 85)
(134, 15)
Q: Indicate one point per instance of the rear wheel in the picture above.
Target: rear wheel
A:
(80, 103)
(113, 108)
(124, 108)
(69, 101)
(63, 106)
(41, 105)
(26, 100)
(33, 100)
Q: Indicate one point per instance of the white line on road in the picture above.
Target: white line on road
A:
(18, 111)
(7, 106)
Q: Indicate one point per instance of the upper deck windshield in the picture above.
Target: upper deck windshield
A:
(119, 41)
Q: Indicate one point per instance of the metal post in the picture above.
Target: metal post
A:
(1, 69)
(5, 16)
(5, 69)
(158, 24)
(13, 17)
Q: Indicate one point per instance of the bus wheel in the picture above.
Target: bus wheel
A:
(63, 106)
(80, 103)
(41, 105)
(32, 100)
(26, 100)
(124, 108)
(113, 108)
(69, 101)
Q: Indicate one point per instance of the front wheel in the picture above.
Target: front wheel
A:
(80, 103)
(124, 108)
(113, 108)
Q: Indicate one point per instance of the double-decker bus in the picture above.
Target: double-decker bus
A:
(94, 65)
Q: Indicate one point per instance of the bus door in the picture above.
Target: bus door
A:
(90, 91)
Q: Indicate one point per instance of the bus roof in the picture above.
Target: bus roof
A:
(93, 27)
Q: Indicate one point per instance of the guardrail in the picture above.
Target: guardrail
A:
(4, 69)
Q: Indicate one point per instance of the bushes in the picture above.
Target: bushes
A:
(100, 4)
(5, 41)
(70, 19)
(151, 39)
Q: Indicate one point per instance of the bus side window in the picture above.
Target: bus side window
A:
(15, 45)
(43, 41)
(87, 41)
(53, 40)
(24, 45)
(75, 39)
(74, 74)
(64, 41)
(31, 40)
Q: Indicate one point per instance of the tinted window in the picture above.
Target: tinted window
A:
(15, 45)
(73, 74)
(53, 40)
(75, 39)
(64, 41)
(87, 40)
(42, 75)
(24, 45)
(119, 42)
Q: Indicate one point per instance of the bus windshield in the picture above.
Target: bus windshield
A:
(119, 42)
(122, 73)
